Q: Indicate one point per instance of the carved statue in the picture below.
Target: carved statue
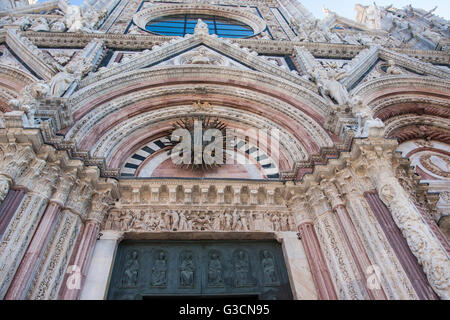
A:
(276, 222)
(4, 187)
(217, 221)
(159, 271)
(187, 270)
(268, 264)
(366, 122)
(215, 278)
(29, 99)
(236, 224)
(161, 223)
(76, 20)
(138, 223)
(242, 269)
(244, 221)
(370, 16)
(393, 69)
(24, 23)
(333, 88)
(228, 221)
(201, 28)
(41, 25)
(182, 224)
(171, 219)
(259, 222)
(130, 275)
(58, 26)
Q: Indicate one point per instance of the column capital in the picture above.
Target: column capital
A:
(332, 193)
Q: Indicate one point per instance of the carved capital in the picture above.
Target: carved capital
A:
(332, 193)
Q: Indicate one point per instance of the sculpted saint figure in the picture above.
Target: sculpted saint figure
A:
(4, 187)
(393, 69)
(334, 88)
(270, 275)
(216, 224)
(187, 269)
(242, 268)
(215, 271)
(171, 219)
(131, 271)
(182, 223)
(159, 271)
(228, 222)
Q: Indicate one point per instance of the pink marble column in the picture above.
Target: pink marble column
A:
(9, 207)
(81, 258)
(27, 268)
(357, 250)
(400, 246)
(316, 261)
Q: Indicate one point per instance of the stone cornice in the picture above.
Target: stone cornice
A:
(31, 55)
(142, 42)
(38, 7)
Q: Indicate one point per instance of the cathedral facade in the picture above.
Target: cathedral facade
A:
(223, 148)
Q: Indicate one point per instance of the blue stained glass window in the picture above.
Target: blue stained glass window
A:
(180, 25)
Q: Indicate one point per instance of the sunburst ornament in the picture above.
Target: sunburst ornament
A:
(202, 142)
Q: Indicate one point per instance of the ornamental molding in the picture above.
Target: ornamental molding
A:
(44, 66)
(367, 91)
(174, 47)
(143, 17)
(414, 64)
(143, 42)
(428, 102)
(307, 93)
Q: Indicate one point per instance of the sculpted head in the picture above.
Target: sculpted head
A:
(387, 194)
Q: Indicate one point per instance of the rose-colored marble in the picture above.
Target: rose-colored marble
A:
(357, 250)
(316, 260)
(27, 268)
(400, 247)
(114, 119)
(9, 207)
(81, 258)
(193, 79)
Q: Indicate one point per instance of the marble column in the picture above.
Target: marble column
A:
(352, 239)
(377, 162)
(400, 246)
(81, 259)
(9, 207)
(300, 276)
(18, 235)
(27, 268)
(317, 263)
(319, 270)
(392, 276)
(99, 273)
(36, 249)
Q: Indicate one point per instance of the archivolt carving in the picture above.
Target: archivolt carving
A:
(305, 93)
(369, 90)
(111, 139)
